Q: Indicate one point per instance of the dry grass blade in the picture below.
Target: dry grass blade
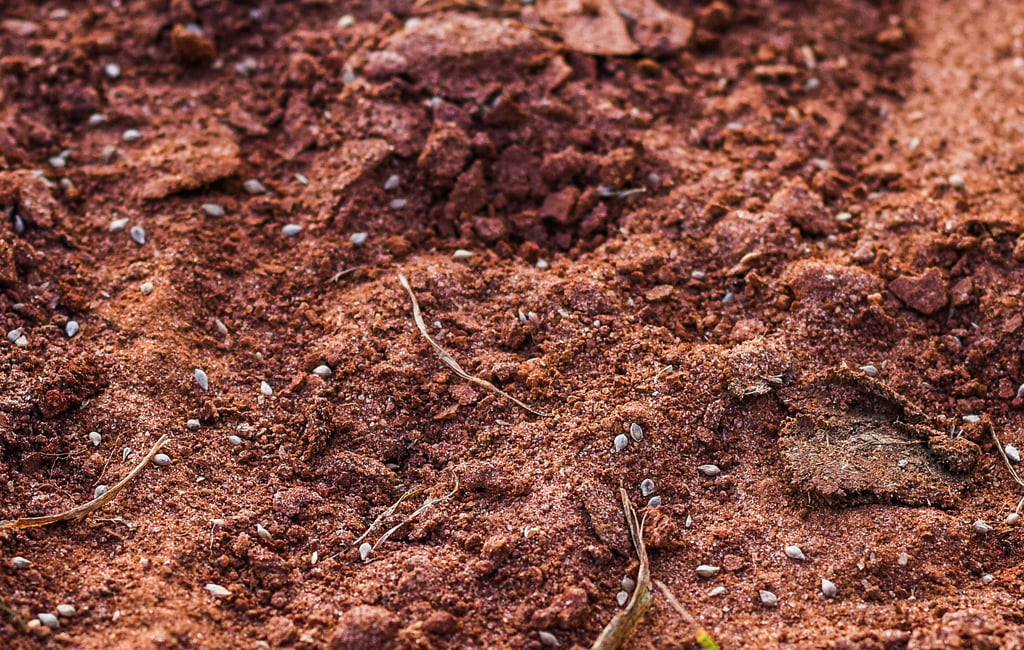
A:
(999, 446)
(700, 634)
(449, 360)
(621, 627)
(415, 492)
(426, 504)
(81, 512)
(18, 621)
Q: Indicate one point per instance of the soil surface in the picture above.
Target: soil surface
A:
(776, 238)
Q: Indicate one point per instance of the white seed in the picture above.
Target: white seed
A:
(654, 502)
(193, 424)
(263, 533)
(392, 183)
(346, 21)
(201, 378)
(131, 135)
(768, 598)
(19, 225)
(146, 288)
(15, 334)
(314, 558)
(58, 161)
(322, 371)
(125, 453)
(217, 591)
(902, 559)
(971, 419)
(647, 487)
(1012, 519)
(981, 527)
(99, 491)
(22, 341)
(628, 583)
(1020, 391)
(689, 521)
(162, 459)
(987, 578)
(359, 238)
(108, 154)
(698, 275)
(956, 181)
(869, 370)
(138, 234)
(844, 217)
(265, 389)
(112, 70)
(1012, 453)
(636, 432)
(621, 442)
(49, 620)
(542, 264)
(549, 639)
(221, 327)
(397, 204)
(621, 598)
(234, 440)
(793, 552)
(462, 254)
(710, 470)
(95, 438)
(212, 209)
(67, 611)
(291, 230)
(364, 551)
(96, 119)
(828, 588)
(253, 186)
(19, 562)
(707, 571)
(71, 328)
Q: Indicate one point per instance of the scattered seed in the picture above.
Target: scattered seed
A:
(828, 588)
(768, 598)
(844, 217)
(49, 620)
(647, 487)
(15, 334)
(654, 502)
(547, 638)
(462, 254)
(392, 183)
(71, 328)
(108, 154)
(22, 341)
(956, 181)
(162, 459)
(131, 135)
(253, 186)
(902, 559)
(717, 591)
(99, 491)
(542, 264)
(19, 225)
(112, 70)
(314, 558)
(212, 209)
(397, 204)
(19, 562)
(710, 470)
(138, 234)
(201, 379)
(265, 389)
(67, 611)
(217, 591)
(263, 533)
(193, 424)
(793, 552)
(219, 523)
(235, 440)
(689, 521)
(707, 571)
(628, 583)
(987, 578)
(621, 598)
(221, 327)
(1020, 391)
(869, 370)
(981, 527)
(621, 442)
(146, 288)
(971, 419)
(96, 119)
(1012, 453)
(636, 432)
(291, 230)
(346, 21)
(95, 438)
(698, 275)
(358, 238)
(1012, 519)
(58, 161)
(125, 453)
(364, 551)
(322, 371)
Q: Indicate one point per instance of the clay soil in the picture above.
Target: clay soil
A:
(784, 239)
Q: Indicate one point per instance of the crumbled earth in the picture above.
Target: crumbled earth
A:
(784, 239)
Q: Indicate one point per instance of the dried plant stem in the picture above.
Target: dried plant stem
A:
(450, 361)
(1009, 465)
(81, 512)
(700, 634)
(415, 492)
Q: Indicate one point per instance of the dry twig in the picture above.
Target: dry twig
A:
(700, 634)
(415, 492)
(999, 446)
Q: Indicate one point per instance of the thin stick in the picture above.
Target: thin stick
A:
(702, 636)
(415, 492)
(999, 446)
(426, 504)
(621, 627)
(81, 512)
(450, 361)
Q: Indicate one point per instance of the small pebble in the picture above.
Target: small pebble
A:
(235, 440)
(710, 470)
(828, 588)
(253, 186)
(636, 432)
(201, 379)
(265, 389)
(138, 234)
(212, 209)
(793, 552)
(956, 181)
(869, 370)
(99, 491)
(49, 620)
(707, 571)
(146, 288)
(392, 183)
(647, 487)
(162, 459)
(19, 562)
(263, 533)
(621, 598)
(71, 328)
(322, 371)
(987, 578)
(981, 527)
(217, 591)
(1012, 453)
(67, 611)
(462, 254)
(971, 419)
(717, 591)
(364, 551)
(621, 442)
(1012, 519)
(95, 438)
(768, 598)
(358, 238)
(193, 424)
(131, 135)
(112, 70)
(549, 639)
(628, 583)
(654, 502)
(902, 559)
(291, 230)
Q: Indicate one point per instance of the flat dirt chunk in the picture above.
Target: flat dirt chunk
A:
(184, 161)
